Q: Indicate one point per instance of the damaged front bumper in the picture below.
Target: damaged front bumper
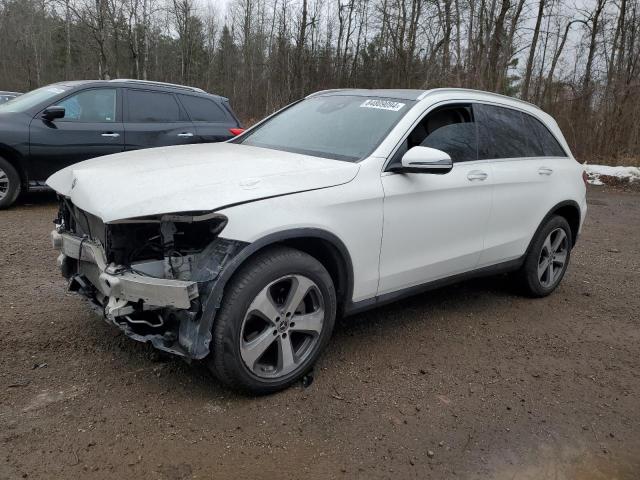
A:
(118, 282)
(138, 299)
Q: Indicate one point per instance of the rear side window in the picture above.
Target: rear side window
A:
(507, 133)
(546, 143)
(502, 133)
(202, 109)
(146, 107)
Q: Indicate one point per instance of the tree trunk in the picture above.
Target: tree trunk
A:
(532, 52)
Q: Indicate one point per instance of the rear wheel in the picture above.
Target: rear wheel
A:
(9, 184)
(548, 258)
(277, 315)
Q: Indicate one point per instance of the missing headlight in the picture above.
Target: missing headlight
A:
(157, 239)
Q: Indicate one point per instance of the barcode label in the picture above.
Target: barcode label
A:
(382, 105)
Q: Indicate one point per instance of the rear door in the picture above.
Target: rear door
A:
(92, 127)
(155, 119)
(211, 119)
(527, 162)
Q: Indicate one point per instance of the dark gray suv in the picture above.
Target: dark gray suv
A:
(55, 126)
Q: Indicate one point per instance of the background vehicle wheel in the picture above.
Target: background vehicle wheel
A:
(9, 184)
(277, 315)
(547, 259)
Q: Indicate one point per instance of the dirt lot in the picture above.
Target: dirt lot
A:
(471, 381)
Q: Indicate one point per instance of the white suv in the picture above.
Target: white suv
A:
(243, 253)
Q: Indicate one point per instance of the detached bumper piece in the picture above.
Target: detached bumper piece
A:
(145, 308)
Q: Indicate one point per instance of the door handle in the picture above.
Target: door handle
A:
(477, 175)
(185, 134)
(545, 171)
(110, 134)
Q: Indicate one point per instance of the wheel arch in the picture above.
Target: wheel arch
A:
(570, 211)
(321, 244)
(15, 159)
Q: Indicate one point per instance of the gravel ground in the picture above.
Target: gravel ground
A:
(471, 381)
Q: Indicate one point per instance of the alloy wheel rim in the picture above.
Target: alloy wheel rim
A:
(553, 257)
(4, 184)
(282, 326)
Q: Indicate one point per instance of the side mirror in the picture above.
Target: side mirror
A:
(425, 160)
(53, 112)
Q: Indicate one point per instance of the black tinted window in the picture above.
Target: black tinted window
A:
(91, 106)
(147, 106)
(202, 109)
(546, 143)
(502, 133)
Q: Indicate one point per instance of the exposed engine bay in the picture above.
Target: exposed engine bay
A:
(152, 277)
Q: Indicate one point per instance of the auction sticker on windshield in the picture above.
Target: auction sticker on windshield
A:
(383, 105)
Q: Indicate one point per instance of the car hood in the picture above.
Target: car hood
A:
(192, 178)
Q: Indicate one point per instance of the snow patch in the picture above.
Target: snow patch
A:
(623, 173)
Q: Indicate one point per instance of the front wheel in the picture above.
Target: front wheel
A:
(9, 184)
(276, 317)
(547, 259)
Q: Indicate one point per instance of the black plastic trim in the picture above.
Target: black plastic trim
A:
(277, 237)
(363, 305)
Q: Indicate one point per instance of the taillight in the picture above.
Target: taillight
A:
(585, 177)
(236, 131)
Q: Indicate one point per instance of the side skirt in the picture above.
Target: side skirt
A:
(356, 307)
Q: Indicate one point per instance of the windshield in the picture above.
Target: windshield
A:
(339, 127)
(33, 98)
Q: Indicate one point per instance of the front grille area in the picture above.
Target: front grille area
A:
(82, 223)
(122, 243)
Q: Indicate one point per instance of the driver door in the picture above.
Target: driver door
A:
(91, 127)
(434, 225)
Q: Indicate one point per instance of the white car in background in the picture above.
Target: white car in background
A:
(243, 253)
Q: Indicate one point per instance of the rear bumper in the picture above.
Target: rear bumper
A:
(583, 212)
(114, 282)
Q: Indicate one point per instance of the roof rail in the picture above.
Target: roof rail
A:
(165, 84)
(471, 90)
(321, 92)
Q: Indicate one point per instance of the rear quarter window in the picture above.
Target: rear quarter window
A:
(547, 143)
(202, 109)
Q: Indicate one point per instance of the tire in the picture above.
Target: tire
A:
(547, 259)
(257, 346)
(10, 184)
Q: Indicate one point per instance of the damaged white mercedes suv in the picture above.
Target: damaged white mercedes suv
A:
(243, 253)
